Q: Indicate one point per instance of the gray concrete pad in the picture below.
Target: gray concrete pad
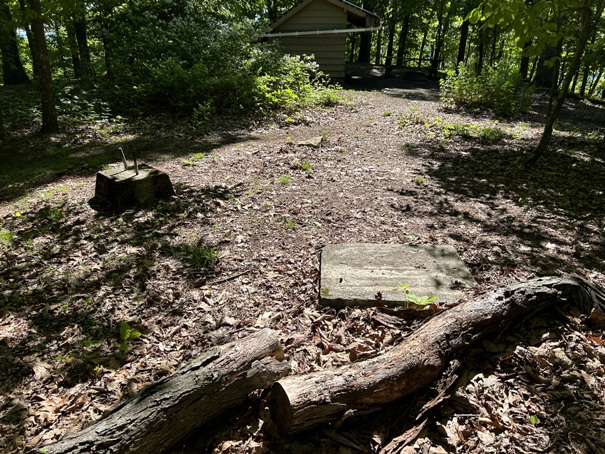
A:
(370, 274)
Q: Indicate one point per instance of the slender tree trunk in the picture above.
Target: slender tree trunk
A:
(60, 49)
(353, 41)
(480, 52)
(365, 47)
(492, 56)
(593, 87)
(13, 72)
(378, 55)
(422, 45)
(584, 80)
(574, 83)
(534, 67)
(403, 39)
(50, 122)
(463, 40)
(586, 28)
(73, 50)
(524, 67)
(30, 38)
(391, 44)
(82, 39)
(556, 69)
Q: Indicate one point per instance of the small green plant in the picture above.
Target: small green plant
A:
(6, 236)
(201, 255)
(306, 166)
(414, 299)
(419, 180)
(56, 214)
(488, 134)
(324, 136)
(387, 114)
(289, 223)
(284, 179)
(187, 162)
(126, 335)
(199, 155)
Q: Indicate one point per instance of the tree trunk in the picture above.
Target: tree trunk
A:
(480, 53)
(422, 45)
(584, 80)
(73, 50)
(463, 39)
(524, 67)
(170, 409)
(30, 38)
(545, 74)
(365, 47)
(586, 28)
(299, 403)
(50, 122)
(378, 55)
(82, 39)
(13, 72)
(403, 39)
(596, 81)
(390, 46)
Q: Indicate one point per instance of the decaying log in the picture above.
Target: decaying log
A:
(167, 411)
(299, 403)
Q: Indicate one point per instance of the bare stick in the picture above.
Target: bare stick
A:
(124, 159)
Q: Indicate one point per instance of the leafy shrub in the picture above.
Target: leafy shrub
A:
(502, 90)
(194, 59)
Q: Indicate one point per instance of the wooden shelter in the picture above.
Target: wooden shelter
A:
(320, 28)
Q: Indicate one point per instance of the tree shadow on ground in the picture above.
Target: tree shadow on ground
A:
(550, 217)
(85, 275)
(37, 160)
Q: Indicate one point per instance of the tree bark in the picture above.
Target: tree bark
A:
(166, 412)
(82, 39)
(390, 45)
(73, 50)
(30, 38)
(299, 403)
(403, 39)
(50, 122)
(13, 72)
(463, 40)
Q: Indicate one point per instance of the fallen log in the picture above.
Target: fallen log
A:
(299, 403)
(168, 410)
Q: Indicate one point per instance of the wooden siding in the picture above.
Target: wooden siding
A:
(329, 51)
(317, 15)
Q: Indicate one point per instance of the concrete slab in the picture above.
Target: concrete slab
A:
(124, 188)
(363, 274)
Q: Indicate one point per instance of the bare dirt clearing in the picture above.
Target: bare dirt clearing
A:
(393, 166)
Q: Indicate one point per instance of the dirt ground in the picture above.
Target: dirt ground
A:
(394, 166)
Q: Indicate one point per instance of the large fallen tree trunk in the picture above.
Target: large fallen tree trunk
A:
(301, 402)
(167, 411)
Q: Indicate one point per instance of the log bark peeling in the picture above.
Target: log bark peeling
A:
(167, 411)
(299, 403)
